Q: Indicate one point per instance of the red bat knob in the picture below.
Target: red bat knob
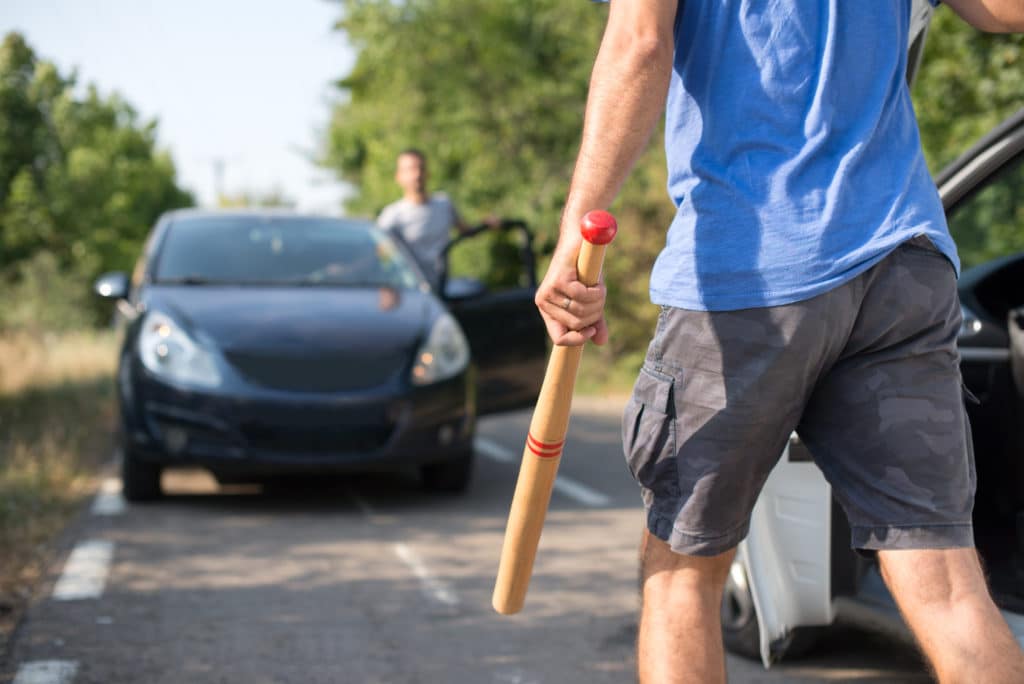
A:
(598, 227)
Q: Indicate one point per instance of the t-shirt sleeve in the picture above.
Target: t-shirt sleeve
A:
(386, 220)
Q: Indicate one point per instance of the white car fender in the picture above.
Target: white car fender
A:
(787, 552)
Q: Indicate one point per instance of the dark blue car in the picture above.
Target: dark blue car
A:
(262, 343)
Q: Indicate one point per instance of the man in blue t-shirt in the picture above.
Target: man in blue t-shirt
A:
(808, 284)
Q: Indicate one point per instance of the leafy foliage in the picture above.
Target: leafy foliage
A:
(969, 82)
(494, 92)
(80, 176)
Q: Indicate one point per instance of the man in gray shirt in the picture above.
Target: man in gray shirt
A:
(423, 221)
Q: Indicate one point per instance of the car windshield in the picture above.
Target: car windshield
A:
(291, 251)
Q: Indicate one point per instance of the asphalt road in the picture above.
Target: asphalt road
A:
(369, 580)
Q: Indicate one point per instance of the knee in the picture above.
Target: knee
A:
(660, 564)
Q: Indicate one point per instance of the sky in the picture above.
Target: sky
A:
(240, 85)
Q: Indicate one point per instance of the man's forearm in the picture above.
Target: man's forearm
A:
(997, 16)
(627, 95)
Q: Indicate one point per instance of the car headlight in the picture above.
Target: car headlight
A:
(443, 355)
(167, 351)
(970, 324)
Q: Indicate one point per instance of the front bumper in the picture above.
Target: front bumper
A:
(265, 432)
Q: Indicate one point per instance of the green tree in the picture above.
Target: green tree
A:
(494, 92)
(81, 178)
(969, 81)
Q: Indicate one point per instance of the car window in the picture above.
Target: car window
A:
(281, 251)
(990, 222)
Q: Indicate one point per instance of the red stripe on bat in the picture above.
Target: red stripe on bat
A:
(544, 445)
(544, 454)
(542, 449)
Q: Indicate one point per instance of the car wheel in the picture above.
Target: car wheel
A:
(140, 481)
(740, 632)
(449, 476)
(739, 617)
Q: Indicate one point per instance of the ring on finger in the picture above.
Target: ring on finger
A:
(566, 303)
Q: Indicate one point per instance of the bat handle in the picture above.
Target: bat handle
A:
(548, 428)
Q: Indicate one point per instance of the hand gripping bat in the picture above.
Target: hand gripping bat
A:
(545, 439)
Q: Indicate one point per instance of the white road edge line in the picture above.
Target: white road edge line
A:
(85, 572)
(433, 588)
(494, 451)
(47, 672)
(109, 500)
(515, 677)
(563, 485)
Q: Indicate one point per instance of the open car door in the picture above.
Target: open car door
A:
(507, 337)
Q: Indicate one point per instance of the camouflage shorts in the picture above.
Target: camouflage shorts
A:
(867, 374)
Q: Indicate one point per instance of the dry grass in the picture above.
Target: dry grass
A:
(38, 362)
(56, 414)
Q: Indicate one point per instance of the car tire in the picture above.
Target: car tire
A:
(740, 632)
(450, 477)
(140, 481)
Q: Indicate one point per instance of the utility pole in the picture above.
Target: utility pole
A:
(218, 178)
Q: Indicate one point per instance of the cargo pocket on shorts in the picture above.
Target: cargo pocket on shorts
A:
(649, 434)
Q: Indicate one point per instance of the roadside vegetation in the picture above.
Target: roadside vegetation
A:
(81, 182)
(56, 414)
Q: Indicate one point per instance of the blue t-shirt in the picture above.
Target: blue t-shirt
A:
(793, 152)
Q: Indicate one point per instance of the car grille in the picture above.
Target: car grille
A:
(320, 373)
(320, 440)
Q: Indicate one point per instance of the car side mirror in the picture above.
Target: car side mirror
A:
(463, 288)
(112, 285)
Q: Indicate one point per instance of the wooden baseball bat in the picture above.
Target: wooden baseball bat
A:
(544, 441)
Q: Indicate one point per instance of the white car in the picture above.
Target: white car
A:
(795, 574)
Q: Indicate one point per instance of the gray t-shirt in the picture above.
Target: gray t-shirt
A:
(425, 227)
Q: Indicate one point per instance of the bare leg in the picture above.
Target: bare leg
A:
(680, 635)
(943, 597)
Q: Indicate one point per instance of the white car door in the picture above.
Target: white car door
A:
(786, 554)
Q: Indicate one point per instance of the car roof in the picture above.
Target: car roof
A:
(261, 213)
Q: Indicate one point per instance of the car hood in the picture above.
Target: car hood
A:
(305, 338)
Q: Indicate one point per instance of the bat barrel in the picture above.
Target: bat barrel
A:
(545, 440)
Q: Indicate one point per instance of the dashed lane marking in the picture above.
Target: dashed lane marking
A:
(109, 500)
(85, 572)
(433, 588)
(563, 485)
(47, 672)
